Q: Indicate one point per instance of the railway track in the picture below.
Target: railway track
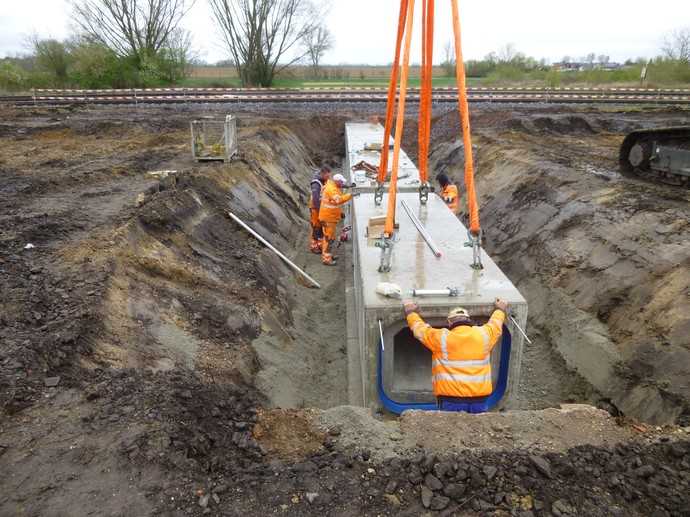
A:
(50, 97)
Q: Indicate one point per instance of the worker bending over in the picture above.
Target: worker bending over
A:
(330, 213)
(461, 356)
(449, 192)
(317, 183)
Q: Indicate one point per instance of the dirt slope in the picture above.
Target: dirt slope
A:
(604, 261)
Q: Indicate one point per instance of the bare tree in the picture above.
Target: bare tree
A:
(317, 43)
(590, 59)
(603, 59)
(507, 53)
(261, 33)
(131, 28)
(448, 63)
(677, 45)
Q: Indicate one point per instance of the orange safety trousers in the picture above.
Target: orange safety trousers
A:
(329, 233)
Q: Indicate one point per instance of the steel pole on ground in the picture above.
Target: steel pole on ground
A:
(274, 250)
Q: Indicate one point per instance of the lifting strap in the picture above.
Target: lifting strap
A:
(405, 25)
(392, 89)
(426, 89)
(472, 206)
(400, 119)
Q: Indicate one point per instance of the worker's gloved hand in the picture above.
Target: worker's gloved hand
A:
(353, 185)
(409, 307)
(501, 305)
(342, 216)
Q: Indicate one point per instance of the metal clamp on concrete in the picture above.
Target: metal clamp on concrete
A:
(378, 194)
(424, 193)
(475, 242)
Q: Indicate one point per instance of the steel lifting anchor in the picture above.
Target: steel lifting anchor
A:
(378, 194)
(475, 242)
(424, 193)
(386, 246)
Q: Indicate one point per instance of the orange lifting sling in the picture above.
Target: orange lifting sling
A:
(405, 24)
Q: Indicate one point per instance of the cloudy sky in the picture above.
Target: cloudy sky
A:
(364, 30)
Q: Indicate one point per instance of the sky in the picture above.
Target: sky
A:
(364, 30)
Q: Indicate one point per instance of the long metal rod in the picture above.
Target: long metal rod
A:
(422, 231)
(520, 329)
(383, 346)
(274, 250)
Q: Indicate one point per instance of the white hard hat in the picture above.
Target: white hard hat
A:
(339, 178)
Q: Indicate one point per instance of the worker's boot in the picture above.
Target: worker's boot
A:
(315, 247)
(326, 257)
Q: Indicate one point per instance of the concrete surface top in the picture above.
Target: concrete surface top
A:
(415, 266)
(358, 136)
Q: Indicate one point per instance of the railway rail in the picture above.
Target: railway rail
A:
(52, 97)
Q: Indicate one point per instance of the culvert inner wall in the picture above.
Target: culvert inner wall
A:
(413, 266)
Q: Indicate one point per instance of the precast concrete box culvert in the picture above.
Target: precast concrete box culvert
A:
(388, 367)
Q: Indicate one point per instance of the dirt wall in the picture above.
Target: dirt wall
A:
(602, 260)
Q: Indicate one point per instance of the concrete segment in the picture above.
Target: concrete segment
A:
(406, 365)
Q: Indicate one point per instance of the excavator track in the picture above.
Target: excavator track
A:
(660, 155)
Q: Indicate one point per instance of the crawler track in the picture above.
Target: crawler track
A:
(347, 95)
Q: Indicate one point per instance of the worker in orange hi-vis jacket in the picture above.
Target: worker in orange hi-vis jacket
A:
(461, 356)
(316, 185)
(449, 192)
(330, 213)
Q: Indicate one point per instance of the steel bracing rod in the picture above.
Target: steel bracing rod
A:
(517, 326)
(422, 231)
(383, 346)
(274, 250)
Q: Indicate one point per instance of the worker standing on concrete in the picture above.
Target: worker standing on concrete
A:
(317, 184)
(449, 192)
(461, 356)
(330, 213)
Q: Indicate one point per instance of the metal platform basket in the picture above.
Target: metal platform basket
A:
(214, 139)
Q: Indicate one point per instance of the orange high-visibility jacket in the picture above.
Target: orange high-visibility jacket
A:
(461, 358)
(449, 194)
(332, 198)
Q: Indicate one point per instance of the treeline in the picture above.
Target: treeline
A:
(509, 66)
(85, 63)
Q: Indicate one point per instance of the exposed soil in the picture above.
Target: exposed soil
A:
(147, 343)
(604, 261)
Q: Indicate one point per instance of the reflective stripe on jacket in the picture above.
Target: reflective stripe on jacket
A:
(449, 194)
(461, 358)
(332, 198)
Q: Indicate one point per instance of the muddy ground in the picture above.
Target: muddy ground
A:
(145, 338)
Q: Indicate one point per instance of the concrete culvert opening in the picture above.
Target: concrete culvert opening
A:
(406, 367)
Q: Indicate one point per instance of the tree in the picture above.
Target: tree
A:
(603, 59)
(52, 57)
(317, 43)
(677, 45)
(176, 58)
(131, 28)
(449, 59)
(590, 59)
(507, 53)
(261, 33)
